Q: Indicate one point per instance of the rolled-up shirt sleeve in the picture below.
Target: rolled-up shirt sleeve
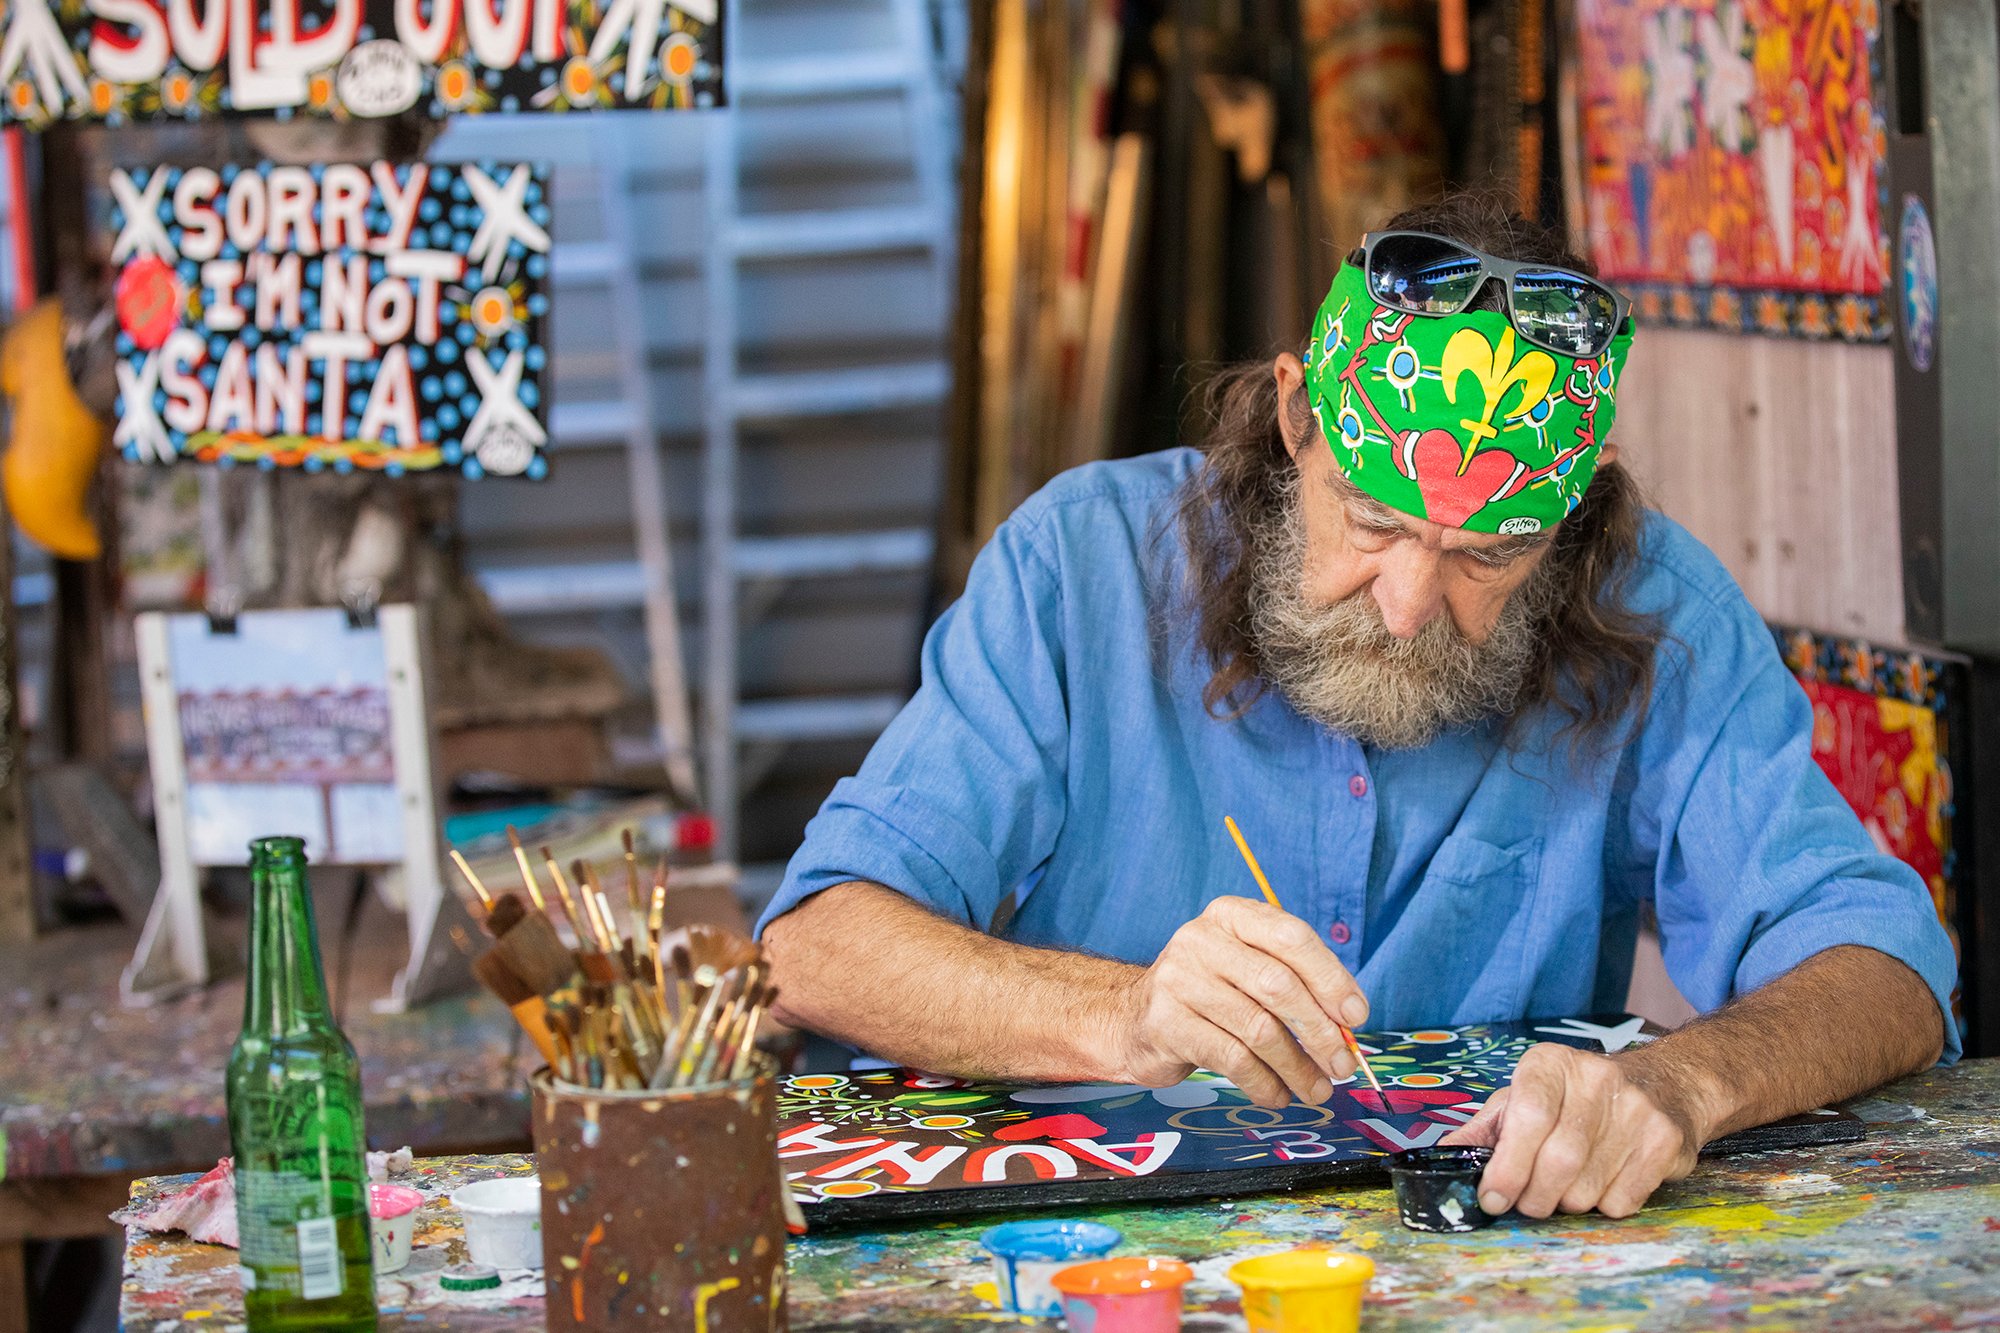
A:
(1758, 861)
(964, 793)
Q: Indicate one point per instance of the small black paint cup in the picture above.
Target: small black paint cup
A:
(1437, 1189)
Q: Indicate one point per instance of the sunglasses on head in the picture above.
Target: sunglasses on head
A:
(1558, 309)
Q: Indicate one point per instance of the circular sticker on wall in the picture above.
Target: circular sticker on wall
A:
(379, 78)
(1917, 249)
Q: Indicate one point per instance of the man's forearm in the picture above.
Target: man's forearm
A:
(1842, 1022)
(862, 963)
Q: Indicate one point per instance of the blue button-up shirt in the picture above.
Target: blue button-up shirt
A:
(1057, 778)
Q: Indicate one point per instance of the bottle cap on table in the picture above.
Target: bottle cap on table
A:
(469, 1277)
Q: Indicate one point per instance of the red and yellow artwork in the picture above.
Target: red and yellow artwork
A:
(1881, 734)
(1883, 756)
(1733, 159)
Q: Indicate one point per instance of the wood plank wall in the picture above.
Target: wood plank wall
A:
(1780, 454)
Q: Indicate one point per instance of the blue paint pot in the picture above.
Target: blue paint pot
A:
(1027, 1254)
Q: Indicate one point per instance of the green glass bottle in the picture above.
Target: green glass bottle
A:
(295, 1121)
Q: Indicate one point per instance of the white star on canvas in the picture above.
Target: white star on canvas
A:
(1614, 1038)
(1857, 240)
(35, 38)
(1670, 98)
(1731, 80)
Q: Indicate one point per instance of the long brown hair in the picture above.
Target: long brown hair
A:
(1594, 659)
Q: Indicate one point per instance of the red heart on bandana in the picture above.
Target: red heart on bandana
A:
(1451, 497)
(1070, 1126)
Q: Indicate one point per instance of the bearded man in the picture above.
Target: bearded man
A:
(1404, 617)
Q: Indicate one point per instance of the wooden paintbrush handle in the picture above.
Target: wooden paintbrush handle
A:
(533, 1016)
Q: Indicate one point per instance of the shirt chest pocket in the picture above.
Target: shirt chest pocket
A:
(1472, 917)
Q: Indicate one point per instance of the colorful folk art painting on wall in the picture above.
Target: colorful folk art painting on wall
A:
(117, 61)
(893, 1143)
(1734, 162)
(384, 317)
(1882, 734)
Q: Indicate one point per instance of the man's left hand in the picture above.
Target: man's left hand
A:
(1577, 1131)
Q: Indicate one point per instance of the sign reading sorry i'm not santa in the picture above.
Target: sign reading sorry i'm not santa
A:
(382, 316)
(120, 60)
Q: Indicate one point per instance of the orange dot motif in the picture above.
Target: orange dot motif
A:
(678, 59)
(819, 1082)
(847, 1189)
(494, 312)
(454, 83)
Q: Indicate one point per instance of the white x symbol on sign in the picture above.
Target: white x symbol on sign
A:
(141, 233)
(505, 219)
(138, 424)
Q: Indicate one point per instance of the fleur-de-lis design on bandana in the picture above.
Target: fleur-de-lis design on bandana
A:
(1497, 370)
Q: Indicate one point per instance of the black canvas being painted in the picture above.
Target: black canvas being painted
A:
(865, 1147)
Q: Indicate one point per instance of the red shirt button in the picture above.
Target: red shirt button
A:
(1357, 785)
(1338, 931)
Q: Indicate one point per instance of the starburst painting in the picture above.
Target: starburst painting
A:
(1734, 162)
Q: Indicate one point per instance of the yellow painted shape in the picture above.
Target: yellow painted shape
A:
(1823, 1214)
(707, 1292)
(55, 440)
(987, 1291)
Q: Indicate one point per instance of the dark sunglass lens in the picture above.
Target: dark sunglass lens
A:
(1564, 311)
(1425, 275)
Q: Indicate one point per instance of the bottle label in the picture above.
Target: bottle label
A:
(272, 1236)
(319, 1259)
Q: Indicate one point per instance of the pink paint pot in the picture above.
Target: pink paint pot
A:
(392, 1217)
(1123, 1295)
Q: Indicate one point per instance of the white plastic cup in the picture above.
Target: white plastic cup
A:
(392, 1214)
(503, 1221)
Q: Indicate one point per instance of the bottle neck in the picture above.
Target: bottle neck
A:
(287, 986)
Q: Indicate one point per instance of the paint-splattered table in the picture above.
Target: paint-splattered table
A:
(1900, 1231)
(92, 1094)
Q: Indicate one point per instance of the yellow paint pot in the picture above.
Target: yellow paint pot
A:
(1308, 1290)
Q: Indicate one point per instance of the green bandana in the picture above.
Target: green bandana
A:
(1456, 418)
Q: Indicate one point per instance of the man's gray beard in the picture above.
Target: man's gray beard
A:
(1340, 666)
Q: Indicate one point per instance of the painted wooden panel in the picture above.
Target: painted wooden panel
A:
(1781, 456)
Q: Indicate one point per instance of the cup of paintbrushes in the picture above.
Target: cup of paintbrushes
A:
(662, 1207)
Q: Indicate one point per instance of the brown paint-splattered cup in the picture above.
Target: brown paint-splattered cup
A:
(661, 1209)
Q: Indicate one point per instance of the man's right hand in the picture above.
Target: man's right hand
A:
(1247, 991)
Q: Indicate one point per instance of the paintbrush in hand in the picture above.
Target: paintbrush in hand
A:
(1257, 872)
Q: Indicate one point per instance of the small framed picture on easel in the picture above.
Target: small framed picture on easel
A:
(304, 722)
